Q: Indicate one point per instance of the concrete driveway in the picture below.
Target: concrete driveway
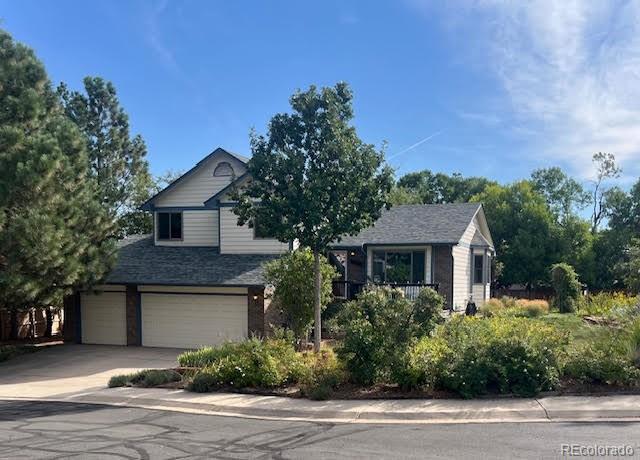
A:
(62, 370)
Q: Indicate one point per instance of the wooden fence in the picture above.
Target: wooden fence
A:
(31, 323)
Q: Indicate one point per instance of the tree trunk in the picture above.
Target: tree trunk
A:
(49, 322)
(13, 334)
(317, 334)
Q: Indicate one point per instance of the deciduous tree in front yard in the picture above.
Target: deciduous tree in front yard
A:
(313, 179)
(53, 230)
(292, 278)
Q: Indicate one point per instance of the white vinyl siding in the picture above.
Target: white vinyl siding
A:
(480, 291)
(103, 318)
(199, 228)
(200, 185)
(235, 239)
(478, 294)
(192, 320)
(462, 270)
(463, 286)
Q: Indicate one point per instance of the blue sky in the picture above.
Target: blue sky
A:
(484, 87)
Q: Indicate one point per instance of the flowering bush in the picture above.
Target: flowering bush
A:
(322, 373)
(609, 304)
(473, 356)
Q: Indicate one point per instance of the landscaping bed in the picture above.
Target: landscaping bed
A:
(8, 352)
(394, 348)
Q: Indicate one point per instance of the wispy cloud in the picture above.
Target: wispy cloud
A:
(486, 119)
(413, 146)
(154, 35)
(570, 70)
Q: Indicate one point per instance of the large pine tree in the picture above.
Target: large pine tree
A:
(54, 234)
(117, 161)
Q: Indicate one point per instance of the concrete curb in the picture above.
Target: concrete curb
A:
(550, 409)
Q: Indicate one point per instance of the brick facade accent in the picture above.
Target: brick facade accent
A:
(71, 326)
(132, 303)
(256, 311)
(443, 272)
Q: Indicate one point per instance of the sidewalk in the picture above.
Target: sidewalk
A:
(549, 409)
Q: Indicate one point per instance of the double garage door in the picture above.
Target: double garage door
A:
(167, 319)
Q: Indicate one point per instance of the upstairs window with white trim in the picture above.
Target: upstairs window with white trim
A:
(223, 169)
(169, 226)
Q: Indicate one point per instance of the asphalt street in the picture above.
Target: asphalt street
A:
(71, 430)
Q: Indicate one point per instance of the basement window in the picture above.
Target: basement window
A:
(169, 226)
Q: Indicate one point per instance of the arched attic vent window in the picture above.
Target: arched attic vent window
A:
(223, 169)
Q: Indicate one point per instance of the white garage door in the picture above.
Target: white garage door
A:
(192, 320)
(103, 318)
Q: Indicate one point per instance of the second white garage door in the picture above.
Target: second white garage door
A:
(192, 320)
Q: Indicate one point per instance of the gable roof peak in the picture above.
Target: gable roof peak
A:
(148, 205)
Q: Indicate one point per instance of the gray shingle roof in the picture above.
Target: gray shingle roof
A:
(140, 262)
(420, 224)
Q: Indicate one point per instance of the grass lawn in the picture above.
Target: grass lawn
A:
(580, 330)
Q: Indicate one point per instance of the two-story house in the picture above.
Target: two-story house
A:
(198, 279)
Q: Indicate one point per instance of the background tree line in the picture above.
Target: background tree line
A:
(546, 219)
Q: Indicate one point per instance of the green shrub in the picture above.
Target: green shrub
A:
(204, 356)
(259, 363)
(491, 307)
(564, 280)
(427, 363)
(508, 306)
(473, 356)
(322, 373)
(8, 352)
(293, 280)
(379, 326)
(609, 304)
(607, 360)
(121, 380)
(634, 342)
(146, 378)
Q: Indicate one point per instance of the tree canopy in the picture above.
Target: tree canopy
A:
(54, 232)
(117, 161)
(564, 195)
(426, 187)
(312, 179)
(522, 228)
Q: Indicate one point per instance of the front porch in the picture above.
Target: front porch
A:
(409, 268)
(348, 290)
